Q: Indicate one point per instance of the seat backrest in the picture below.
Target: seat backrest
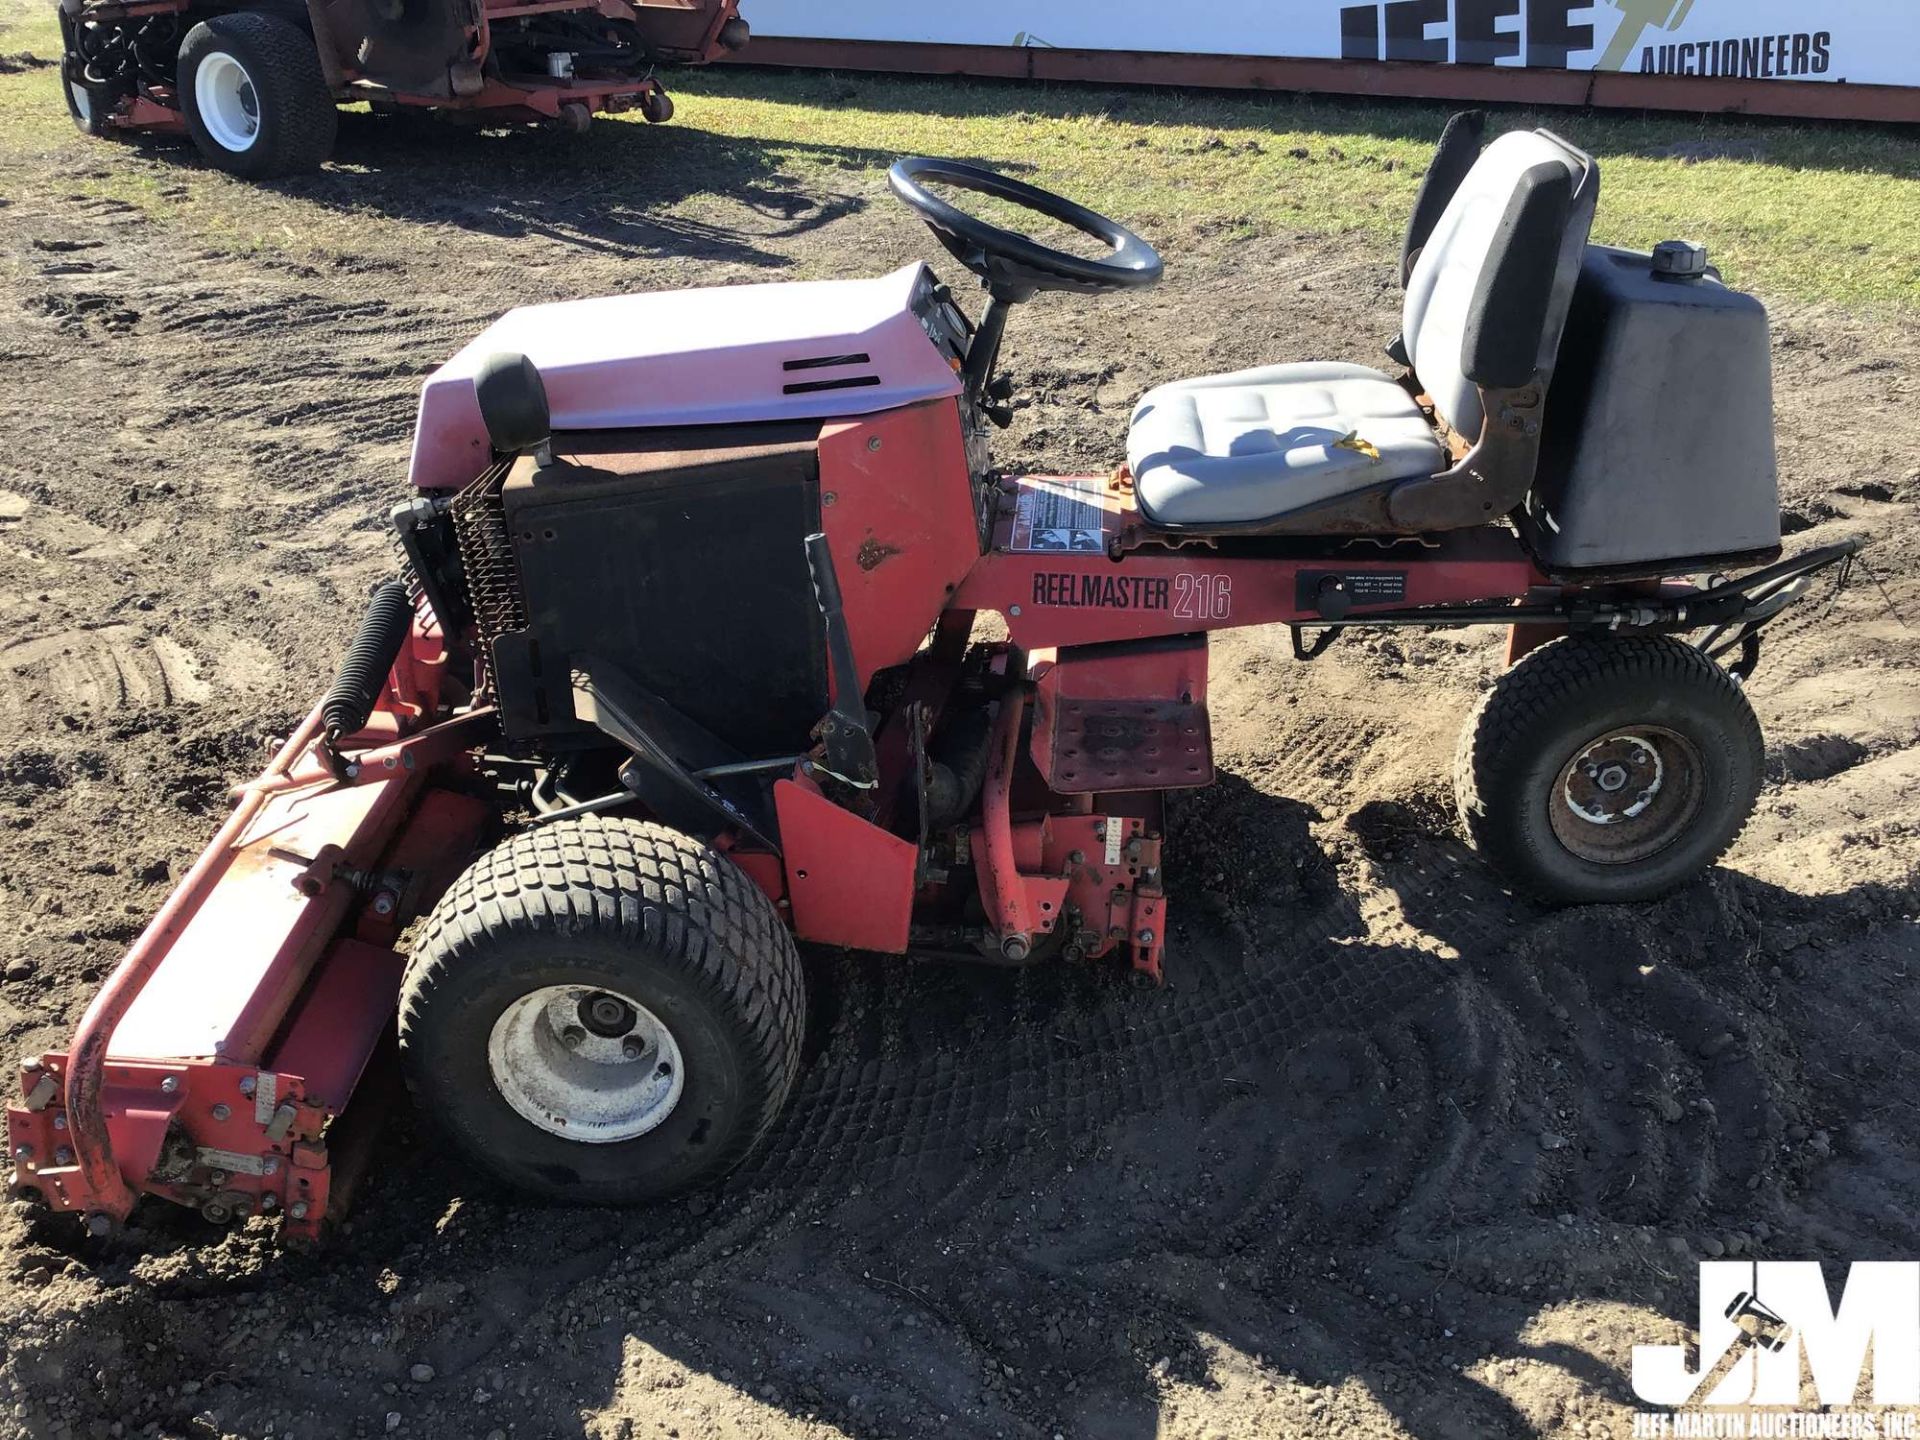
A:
(1488, 296)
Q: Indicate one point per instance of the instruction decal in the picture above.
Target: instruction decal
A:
(1361, 587)
(1061, 516)
(1377, 587)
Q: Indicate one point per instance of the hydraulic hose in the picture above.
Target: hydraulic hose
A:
(959, 767)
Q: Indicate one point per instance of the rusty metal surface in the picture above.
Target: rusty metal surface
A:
(1128, 745)
(898, 513)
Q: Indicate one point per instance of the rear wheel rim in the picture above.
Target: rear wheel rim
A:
(1627, 795)
(585, 1063)
(229, 104)
(82, 103)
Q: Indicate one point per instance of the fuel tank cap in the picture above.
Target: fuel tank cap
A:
(1679, 260)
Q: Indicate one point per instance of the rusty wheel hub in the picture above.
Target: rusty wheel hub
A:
(1627, 795)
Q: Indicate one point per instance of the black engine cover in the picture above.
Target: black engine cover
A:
(679, 557)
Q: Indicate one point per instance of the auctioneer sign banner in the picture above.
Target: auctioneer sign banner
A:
(1865, 42)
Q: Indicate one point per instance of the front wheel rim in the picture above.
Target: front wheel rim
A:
(586, 1064)
(229, 104)
(1627, 795)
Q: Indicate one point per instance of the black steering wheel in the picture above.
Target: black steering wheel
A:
(1015, 265)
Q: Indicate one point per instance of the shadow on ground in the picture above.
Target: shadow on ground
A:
(1343, 1146)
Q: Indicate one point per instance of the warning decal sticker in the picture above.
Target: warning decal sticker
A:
(1060, 515)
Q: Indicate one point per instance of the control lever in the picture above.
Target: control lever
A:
(843, 729)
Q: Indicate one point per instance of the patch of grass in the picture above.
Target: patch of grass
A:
(29, 25)
(33, 117)
(1802, 211)
(1812, 211)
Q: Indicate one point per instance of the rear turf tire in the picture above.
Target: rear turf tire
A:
(1608, 770)
(253, 95)
(611, 909)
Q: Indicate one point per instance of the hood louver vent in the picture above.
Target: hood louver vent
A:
(828, 362)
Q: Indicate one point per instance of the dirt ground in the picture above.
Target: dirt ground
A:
(1392, 1153)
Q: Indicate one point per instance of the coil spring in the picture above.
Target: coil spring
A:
(376, 645)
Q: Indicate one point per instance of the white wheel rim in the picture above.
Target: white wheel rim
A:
(229, 105)
(586, 1064)
(82, 101)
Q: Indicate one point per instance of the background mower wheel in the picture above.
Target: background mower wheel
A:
(89, 103)
(253, 95)
(1608, 770)
(603, 1011)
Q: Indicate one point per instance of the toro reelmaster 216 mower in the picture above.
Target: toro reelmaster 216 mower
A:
(255, 82)
(689, 615)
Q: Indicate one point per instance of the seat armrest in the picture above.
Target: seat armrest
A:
(1507, 319)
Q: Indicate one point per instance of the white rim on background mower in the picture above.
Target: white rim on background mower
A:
(82, 101)
(585, 1064)
(229, 105)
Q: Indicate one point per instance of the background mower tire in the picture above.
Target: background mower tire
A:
(88, 104)
(603, 1011)
(254, 98)
(1602, 771)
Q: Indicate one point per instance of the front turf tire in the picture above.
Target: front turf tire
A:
(1612, 770)
(613, 909)
(253, 95)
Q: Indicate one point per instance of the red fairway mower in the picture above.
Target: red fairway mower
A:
(255, 83)
(689, 616)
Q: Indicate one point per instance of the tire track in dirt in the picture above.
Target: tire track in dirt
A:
(110, 668)
(1417, 1130)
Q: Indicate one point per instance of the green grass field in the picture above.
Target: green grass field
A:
(1811, 212)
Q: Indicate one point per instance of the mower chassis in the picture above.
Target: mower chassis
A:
(214, 1063)
(473, 95)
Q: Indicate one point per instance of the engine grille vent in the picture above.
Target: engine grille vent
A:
(828, 362)
(486, 556)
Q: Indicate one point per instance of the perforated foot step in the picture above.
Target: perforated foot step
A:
(1126, 745)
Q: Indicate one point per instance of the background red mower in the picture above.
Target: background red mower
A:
(256, 84)
(691, 611)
